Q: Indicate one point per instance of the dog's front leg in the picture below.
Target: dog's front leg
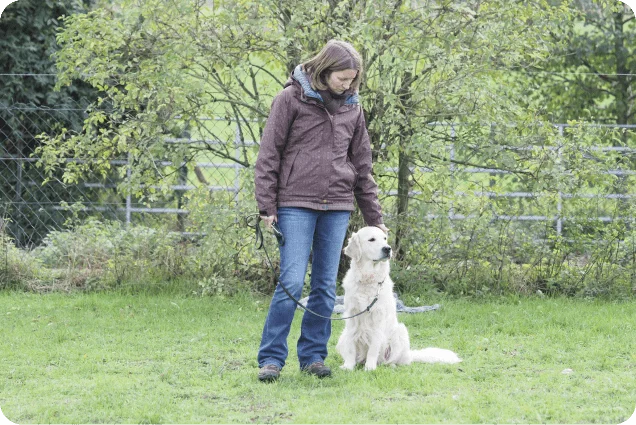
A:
(372, 355)
(347, 350)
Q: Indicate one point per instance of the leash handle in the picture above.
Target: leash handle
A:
(259, 244)
(278, 234)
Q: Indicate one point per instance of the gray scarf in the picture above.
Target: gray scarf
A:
(333, 101)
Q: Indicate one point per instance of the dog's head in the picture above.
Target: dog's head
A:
(368, 243)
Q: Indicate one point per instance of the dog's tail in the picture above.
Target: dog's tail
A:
(434, 355)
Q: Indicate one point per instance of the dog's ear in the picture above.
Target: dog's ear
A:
(352, 250)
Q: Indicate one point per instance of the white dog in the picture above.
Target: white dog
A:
(376, 337)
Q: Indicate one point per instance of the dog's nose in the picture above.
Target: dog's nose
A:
(386, 250)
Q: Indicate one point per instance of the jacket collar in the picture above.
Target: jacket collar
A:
(301, 77)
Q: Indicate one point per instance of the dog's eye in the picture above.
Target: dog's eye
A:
(372, 240)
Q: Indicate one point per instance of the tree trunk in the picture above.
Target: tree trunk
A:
(403, 201)
(621, 94)
(404, 172)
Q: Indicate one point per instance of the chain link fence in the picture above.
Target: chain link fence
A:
(30, 209)
(459, 212)
(34, 203)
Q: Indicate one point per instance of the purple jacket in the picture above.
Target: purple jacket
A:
(309, 158)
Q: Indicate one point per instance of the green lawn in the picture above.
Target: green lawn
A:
(173, 359)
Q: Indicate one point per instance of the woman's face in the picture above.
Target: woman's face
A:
(340, 81)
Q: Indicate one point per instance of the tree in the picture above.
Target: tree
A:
(440, 62)
(161, 67)
(591, 76)
(170, 59)
(29, 106)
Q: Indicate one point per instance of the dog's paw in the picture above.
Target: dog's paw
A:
(347, 367)
(369, 367)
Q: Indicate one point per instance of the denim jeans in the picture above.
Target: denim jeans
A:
(304, 229)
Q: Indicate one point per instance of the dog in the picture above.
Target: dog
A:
(376, 337)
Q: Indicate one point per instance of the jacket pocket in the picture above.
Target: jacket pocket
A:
(287, 169)
(355, 174)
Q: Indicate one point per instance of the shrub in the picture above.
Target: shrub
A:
(111, 253)
(17, 268)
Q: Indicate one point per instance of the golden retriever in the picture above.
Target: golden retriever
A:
(376, 337)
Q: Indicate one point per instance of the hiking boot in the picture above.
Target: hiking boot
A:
(268, 373)
(319, 369)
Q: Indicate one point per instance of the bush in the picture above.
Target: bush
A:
(107, 254)
(475, 257)
(227, 249)
(220, 259)
(17, 268)
(485, 256)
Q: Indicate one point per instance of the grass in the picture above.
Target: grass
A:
(166, 358)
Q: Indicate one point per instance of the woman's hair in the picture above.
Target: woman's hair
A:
(335, 56)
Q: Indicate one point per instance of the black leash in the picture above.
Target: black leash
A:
(259, 244)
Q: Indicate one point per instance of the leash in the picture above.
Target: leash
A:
(259, 244)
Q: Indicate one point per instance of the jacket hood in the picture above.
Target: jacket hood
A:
(300, 76)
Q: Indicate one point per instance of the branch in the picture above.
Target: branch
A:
(268, 73)
(594, 70)
(585, 86)
(386, 37)
(470, 164)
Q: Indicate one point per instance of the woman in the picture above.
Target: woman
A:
(314, 157)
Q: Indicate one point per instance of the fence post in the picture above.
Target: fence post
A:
(559, 221)
(19, 233)
(128, 196)
(451, 208)
(4, 260)
(183, 182)
(237, 171)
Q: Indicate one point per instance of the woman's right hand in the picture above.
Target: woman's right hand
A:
(270, 220)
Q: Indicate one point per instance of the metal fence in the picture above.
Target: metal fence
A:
(558, 219)
(29, 209)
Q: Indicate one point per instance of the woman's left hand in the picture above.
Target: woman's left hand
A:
(382, 227)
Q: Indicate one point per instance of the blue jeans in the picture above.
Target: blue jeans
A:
(304, 229)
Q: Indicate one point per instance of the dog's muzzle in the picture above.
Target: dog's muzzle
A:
(386, 253)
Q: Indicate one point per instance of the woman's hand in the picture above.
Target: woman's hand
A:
(270, 220)
(382, 227)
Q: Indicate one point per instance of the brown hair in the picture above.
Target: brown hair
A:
(336, 55)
